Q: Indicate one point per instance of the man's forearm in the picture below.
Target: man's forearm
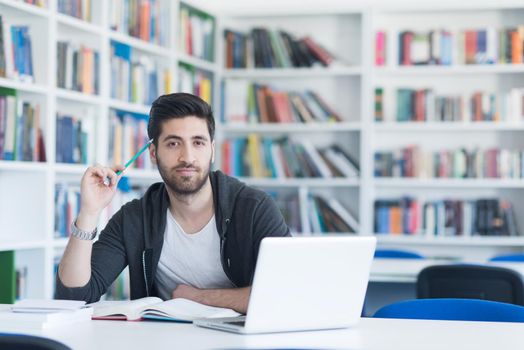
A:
(234, 298)
(75, 267)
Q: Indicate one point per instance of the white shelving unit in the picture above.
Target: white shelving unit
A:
(27, 189)
(434, 136)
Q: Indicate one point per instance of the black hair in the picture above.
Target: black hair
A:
(178, 105)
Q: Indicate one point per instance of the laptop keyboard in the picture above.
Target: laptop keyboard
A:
(237, 323)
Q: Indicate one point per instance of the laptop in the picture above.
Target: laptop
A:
(304, 283)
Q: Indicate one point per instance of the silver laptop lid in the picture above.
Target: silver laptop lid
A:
(306, 283)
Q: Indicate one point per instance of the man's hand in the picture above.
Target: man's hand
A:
(234, 298)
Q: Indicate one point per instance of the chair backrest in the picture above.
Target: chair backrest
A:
(396, 254)
(453, 310)
(29, 342)
(471, 282)
(509, 258)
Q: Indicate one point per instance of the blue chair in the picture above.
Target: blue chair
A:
(453, 310)
(508, 258)
(396, 254)
(29, 342)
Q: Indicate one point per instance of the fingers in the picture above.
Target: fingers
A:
(106, 175)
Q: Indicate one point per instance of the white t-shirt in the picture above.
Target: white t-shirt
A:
(192, 259)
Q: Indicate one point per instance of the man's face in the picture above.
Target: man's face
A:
(184, 154)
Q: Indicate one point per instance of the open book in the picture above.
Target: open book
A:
(179, 310)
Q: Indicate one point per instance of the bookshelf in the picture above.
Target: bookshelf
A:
(348, 87)
(28, 222)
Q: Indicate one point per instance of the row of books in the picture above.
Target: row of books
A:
(448, 217)
(265, 48)
(74, 139)
(16, 57)
(282, 158)
(445, 47)
(147, 20)
(195, 81)
(21, 136)
(247, 102)
(39, 3)
(136, 78)
(328, 215)
(196, 36)
(77, 68)
(426, 105)
(81, 9)
(460, 163)
(127, 135)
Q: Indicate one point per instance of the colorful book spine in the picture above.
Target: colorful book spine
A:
(135, 77)
(196, 33)
(77, 68)
(143, 19)
(265, 48)
(281, 158)
(195, 81)
(81, 9)
(424, 105)
(128, 134)
(460, 163)
(447, 217)
(248, 102)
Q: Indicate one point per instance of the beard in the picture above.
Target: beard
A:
(184, 185)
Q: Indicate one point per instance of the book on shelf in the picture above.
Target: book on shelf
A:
(445, 218)
(67, 199)
(81, 9)
(267, 48)
(38, 3)
(153, 308)
(16, 56)
(329, 215)
(8, 277)
(282, 158)
(195, 81)
(488, 45)
(135, 77)
(127, 134)
(492, 163)
(245, 101)
(21, 136)
(196, 33)
(425, 105)
(380, 48)
(74, 139)
(77, 68)
(146, 20)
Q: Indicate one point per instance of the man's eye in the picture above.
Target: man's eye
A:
(199, 143)
(172, 144)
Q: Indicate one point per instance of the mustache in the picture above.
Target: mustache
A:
(186, 166)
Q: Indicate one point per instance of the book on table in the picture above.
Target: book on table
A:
(153, 308)
(42, 314)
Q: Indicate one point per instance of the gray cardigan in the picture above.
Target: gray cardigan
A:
(135, 234)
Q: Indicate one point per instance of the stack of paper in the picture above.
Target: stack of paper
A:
(42, 314)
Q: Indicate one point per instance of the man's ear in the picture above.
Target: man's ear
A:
(213, 151)
(152, 153)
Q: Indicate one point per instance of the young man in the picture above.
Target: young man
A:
(195, 235)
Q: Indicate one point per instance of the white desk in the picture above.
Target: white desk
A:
(406, 270)
(369, 334)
